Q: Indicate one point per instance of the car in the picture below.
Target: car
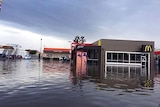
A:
(27, 57)
(66, 58)
(61, 58)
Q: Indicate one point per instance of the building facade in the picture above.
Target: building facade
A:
(56, 53)
(126, 58)
(115, 62)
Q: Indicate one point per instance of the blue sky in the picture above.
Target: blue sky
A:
(59, 21)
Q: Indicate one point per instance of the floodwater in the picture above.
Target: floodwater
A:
(33, 83)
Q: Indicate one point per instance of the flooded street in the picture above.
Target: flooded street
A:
(33, 83)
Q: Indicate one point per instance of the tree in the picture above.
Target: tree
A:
(32, 52)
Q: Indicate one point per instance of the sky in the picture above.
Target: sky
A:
(56, 22)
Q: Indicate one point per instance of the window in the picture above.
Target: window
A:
(120, 57)
(109, 57)
(123, 57)
(126, 58)
(132, 58)
(92, 54)
(115, 57)
(138, 58)
(96, 54)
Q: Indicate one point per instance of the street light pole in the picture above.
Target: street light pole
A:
(41, 46)
(40, 52)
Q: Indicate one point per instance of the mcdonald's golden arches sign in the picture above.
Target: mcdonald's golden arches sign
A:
(147, 48)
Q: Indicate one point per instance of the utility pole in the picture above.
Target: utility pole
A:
(40, 51)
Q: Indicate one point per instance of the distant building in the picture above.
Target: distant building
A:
(31, 54)
(10, 51)
(157, 52)
(56, 53)
(157, 57)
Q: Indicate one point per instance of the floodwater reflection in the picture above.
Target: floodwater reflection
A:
(33, 83)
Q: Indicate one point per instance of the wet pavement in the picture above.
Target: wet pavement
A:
(33, 83)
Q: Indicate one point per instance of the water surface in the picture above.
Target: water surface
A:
(33, 83)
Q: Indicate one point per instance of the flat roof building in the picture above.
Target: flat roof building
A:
(55, 53)
(133, 57)
(112, 58)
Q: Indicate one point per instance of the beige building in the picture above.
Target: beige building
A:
(55, 53)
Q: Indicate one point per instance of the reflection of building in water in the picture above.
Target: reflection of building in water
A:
(107, 57)
(52, 67)
(122, 84)
(6, 66)
(123, 72)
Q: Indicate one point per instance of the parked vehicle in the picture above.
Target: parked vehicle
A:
(64, 58)
(27, 57)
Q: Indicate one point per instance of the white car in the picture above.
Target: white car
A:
(27, 57)
(61, 58)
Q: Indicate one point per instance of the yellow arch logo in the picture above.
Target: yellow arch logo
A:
(148, 83)
(99, 42)
(148, 48)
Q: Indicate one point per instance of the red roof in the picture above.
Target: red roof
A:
(84, 44)
(157, 52)
(6, 47)
(57, 49)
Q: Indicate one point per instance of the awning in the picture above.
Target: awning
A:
(56, 50)
(6, 47)
(157, 52)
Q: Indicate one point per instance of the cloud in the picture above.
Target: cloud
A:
(94, 19)
(27, 39)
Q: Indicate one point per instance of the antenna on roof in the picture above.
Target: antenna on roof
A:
(79, 39)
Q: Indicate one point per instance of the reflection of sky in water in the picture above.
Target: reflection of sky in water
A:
(19, 72)
(37, 83)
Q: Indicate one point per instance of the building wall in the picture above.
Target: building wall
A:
(123, 45)
(55, 54)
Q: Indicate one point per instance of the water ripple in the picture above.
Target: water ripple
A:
(34, 83)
